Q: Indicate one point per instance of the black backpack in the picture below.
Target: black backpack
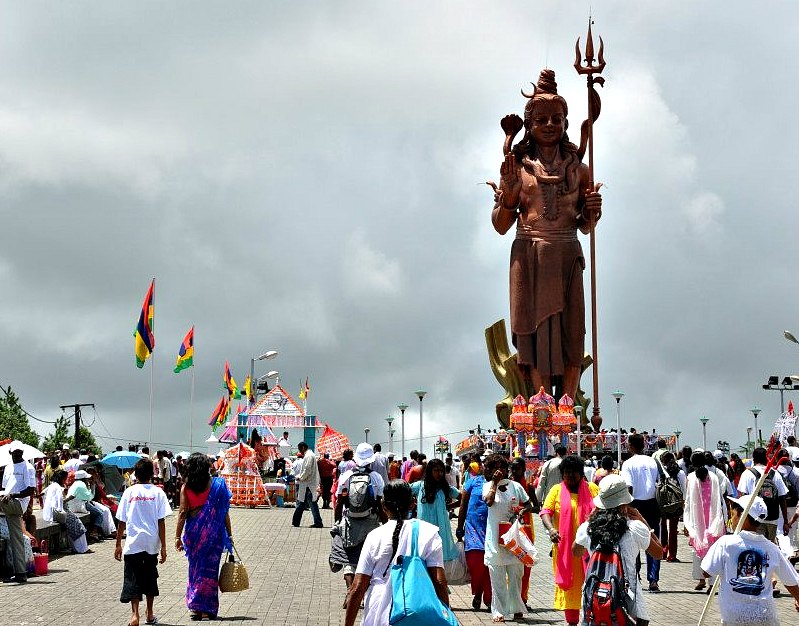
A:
(607, 595)
(360, 494)
(769, 494)
(668, 494)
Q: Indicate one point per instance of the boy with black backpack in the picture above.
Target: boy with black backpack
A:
(773, 493)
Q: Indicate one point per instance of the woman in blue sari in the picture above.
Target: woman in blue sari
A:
(204, 523)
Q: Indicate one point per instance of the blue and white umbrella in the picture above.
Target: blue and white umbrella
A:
(122, 459)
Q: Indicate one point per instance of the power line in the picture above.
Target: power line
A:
(5, 391)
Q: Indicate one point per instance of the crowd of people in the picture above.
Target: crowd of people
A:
(591, 510)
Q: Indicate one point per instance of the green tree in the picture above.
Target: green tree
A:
(14, 422)
(87, 441)
(59, 436)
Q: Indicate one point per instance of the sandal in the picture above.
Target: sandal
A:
(196, 617)
(476, 602)
(700, 585)
(499, 619)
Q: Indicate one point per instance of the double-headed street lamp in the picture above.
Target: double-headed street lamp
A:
(402, 407)
(704, 421)
(787, 384)
(421, 395)
(269, 354)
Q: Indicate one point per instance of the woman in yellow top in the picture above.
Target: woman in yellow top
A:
(577, 495)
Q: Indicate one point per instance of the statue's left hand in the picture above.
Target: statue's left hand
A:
(593, 204)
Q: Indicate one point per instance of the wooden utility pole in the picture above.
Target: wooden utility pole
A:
(76, 408)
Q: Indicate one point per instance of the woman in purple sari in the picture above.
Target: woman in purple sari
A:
(204, 522)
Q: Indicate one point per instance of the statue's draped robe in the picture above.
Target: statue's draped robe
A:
(547, 304)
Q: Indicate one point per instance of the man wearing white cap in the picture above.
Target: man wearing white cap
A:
(19, 484)
(358, 509)
(745, 564)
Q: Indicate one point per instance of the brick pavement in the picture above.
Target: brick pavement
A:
(291, 584)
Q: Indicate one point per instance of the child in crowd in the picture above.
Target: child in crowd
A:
(141, 512)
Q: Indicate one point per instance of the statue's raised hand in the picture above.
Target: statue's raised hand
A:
(510, 183)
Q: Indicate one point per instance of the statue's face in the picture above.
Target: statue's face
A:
(548, 122)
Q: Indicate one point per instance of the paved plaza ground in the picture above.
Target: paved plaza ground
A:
(290, 584)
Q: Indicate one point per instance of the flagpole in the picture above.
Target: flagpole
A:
(152, 367)
(191, 409)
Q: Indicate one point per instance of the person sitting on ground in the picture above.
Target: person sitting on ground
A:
(745, 564)
(108, 527)
(78, 500)
(53, 511)
(372, 583)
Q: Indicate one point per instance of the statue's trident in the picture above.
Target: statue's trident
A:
(594, 106)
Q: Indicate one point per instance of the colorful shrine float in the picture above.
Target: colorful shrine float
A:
(242, 476)
(540, 424)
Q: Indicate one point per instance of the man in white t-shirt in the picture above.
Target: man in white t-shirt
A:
(19, 484)
(745, 564)
(640, 472)
(747, 483)
(74, 462)
(283, 446)
(141, 512)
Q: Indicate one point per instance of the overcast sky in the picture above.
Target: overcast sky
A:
(306, 177)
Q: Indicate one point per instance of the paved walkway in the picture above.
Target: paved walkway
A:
(291, 584)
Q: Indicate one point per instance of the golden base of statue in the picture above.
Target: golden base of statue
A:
(514, 382)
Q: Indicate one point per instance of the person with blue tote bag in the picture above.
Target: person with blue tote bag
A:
(400, 575)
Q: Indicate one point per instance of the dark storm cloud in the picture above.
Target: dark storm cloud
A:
(307, 178)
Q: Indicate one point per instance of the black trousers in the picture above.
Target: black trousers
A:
(650, 511)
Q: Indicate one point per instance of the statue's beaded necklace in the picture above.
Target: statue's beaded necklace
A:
(551, 179)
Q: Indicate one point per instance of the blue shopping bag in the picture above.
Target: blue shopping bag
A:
(414, 599)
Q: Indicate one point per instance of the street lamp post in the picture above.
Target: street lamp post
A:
(704, 421)
(421, 395)
(402, 408)
(748, 441)
(390, 419)
(269, 354)
(756, 411)
(677, 434)
(366, 435)
(578, 413)
(618, 394)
